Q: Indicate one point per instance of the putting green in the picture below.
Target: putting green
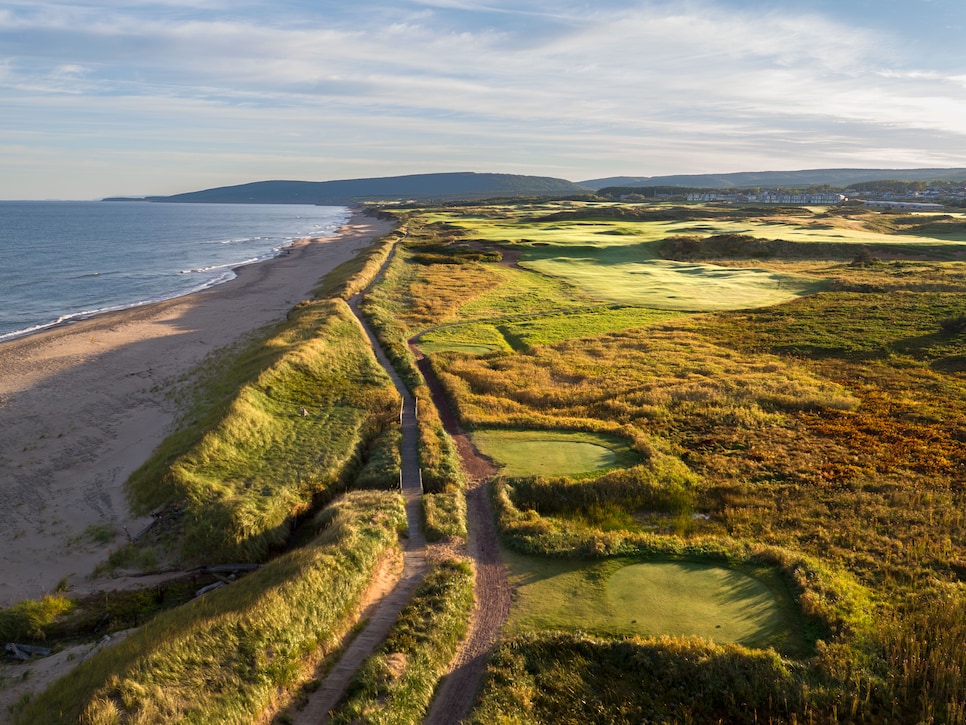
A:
(551, 453)
(682, 598)
(651, 599)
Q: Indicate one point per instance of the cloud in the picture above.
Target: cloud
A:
(670, 86)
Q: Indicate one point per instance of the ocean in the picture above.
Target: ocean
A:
(66, 260)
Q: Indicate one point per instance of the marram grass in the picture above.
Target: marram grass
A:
(291, 432)
(223, 657)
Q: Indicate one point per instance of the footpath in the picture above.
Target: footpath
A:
(457, 690)
(386, 611)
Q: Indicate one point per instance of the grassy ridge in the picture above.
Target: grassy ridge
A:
(574, 679)
(223, 657)
(396, 684)
(387, 310)
(288, 434)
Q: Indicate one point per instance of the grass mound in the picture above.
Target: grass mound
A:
(223, 657)
(574, 679)
(289, 432)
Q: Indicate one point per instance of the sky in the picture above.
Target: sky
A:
(135, 97)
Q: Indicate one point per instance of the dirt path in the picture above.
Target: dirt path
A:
(385, 612)
(457, 692)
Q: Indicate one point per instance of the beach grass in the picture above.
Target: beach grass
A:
(226, 656)
(444, 515)
(306, 403)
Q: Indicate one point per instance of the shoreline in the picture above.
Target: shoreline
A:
(85, 402)
(233, 270)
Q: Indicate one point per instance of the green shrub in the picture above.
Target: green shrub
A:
(30, 620)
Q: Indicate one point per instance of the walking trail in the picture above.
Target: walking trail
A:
(457, 691)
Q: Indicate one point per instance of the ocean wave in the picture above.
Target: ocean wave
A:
(86, 314)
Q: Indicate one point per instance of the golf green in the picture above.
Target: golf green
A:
(651, 599)
(549, 453)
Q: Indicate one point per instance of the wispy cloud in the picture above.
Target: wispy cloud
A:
(618, 87)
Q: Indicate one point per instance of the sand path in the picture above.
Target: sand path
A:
(83, 405)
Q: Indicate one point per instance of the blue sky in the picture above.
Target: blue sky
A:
(163, 96)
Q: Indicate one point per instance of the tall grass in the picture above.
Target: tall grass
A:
(562, 678)
(356, 274)
(225, 656)
(444, 515)
(290, 433)
(396, 684)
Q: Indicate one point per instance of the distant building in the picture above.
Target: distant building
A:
(770, 197)
(904, 205)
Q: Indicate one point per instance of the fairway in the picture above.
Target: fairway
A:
(667, 285)
(650, 599)
(552, 453)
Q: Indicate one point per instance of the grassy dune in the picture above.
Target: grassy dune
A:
(223, 657)
(291, 430)
(396, 684)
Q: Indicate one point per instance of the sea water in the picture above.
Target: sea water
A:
(66, 260)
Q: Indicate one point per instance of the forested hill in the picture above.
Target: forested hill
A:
(837, 178)
(418, 187)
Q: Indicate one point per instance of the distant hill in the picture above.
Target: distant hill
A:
(838, 178)
(418, 187)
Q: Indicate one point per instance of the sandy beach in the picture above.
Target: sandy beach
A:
(83, 405)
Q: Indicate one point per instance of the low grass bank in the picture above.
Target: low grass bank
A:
(223, 657)
(438, 457)
(359, 272)
(573, 679)
(444, 515)
(396, 684)
(293, 430)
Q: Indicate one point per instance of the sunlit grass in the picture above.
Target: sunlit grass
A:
(552, 453)
(678, 598)
(288, 433)
(225, 656)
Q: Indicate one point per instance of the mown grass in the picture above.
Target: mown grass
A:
(225, 656)
(522, 331)
(396, 684)
(623, 597)
(290, 432)
(552, 453)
